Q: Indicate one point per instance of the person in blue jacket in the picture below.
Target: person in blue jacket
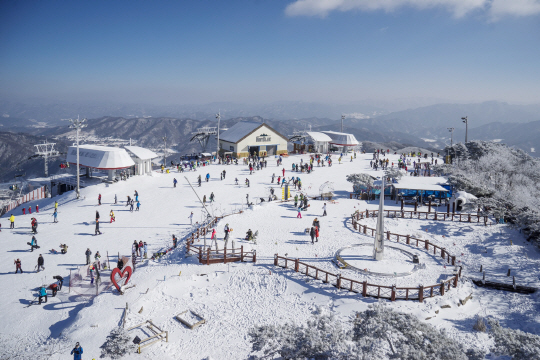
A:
(77, 352)
(42, 293)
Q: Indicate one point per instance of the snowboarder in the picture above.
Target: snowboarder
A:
(34, 225)
(12, 221)
(40, 263)
(55, 216)
(316, 223)
(88, 253)
(249, 235)
(60, 281)
(77, 352)
(97, 227)
(42, 293)
(112, 216)
(174, 182)
(99, 199)
(63, 248)
(324, 209)
(138, 205)
(33, 244)
(18, 266)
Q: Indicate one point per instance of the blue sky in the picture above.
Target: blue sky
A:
(183, 52)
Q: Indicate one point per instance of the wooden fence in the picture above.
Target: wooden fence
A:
(37, 194)
(208, 256)
(392, 293)
(427, 215)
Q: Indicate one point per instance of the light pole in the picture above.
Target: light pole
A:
(165, 152)
(342, 118)
(466, 126)
(218, 117)
(452, 136)
(78, 125)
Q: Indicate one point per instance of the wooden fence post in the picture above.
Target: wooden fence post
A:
(275, 259)
(367, 213)
(224, 254)
(469, 220)
(435, 215)
(338, 284)
(442, 288)
(455, 280)
(421, 293)
(388, 235)
(208, 256)
(415, 206)
(408, 239)
(296, 264)
(393, 296)
(443, 250)
(453, 209)
(453, 260)
(242, 254)
(364, 288)
(365, 229)
(429, 206)
(427, 244)
(200, 255)
(254, 256)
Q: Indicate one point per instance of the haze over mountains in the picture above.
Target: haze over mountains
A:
(424, 127)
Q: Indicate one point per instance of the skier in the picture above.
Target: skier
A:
(136, 194)
(213, 234)
(99, 199)
(236, 181)
(18, 266)
(111, 214)
(224, 173)
(60, 281)
(199, 180)
(24, 211)
(316, 234)
(56, 205)
(204, 199)
(115, 199)
(283, 171)
(324, 209)
(97, 256)
(77, 352)
(40, 263)
(34, 225)
(247, 182)
(37, 208)
(273, 176)
(312, 234)
(174, 182)
(212, 197)
(138, 205)
(299, 212)
(42, 293)
(226, 229)
(131, 206)
(207, 177)
(12, 221)
(191, 218)
(88, 253)
(296, 200)
(30, 210)
(55, 216)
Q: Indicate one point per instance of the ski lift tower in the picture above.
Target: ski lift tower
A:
(46, 150)
(78, 124)
(202, 135)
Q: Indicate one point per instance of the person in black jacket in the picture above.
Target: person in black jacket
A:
(40, 263)
(312, 234)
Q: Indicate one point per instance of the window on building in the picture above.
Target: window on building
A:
(231, 148)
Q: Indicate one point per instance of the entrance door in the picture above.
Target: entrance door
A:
(271, 149)
(254, 150)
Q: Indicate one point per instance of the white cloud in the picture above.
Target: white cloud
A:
(459, 8)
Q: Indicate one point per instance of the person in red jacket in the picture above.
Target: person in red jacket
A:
(283, 172)
(37, 208)
(24, 211)
(29, 209)
(99, 199)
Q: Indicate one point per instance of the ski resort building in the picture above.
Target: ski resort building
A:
(311, 141)
(100, 158)
(250, 138)
(342, 140)
(422, 187)
(142, 158)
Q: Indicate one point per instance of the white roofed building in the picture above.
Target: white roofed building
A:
(311, 141)
(142, 158)
(250, 138)
(342, 139)
(100, 157)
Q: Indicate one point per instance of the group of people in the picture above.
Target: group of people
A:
(140, 248)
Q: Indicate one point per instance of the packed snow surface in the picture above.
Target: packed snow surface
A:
(236, 297)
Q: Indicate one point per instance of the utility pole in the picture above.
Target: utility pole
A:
(165, 152)
(452, 136)
(342, 118)
(78, 125)
(218, 117)
(466, 121)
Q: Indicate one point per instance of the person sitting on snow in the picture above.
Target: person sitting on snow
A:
(249, 235)
(42, 293)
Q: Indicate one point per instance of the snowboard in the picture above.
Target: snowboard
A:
(53, 251)
(97, 234)
(35, 246)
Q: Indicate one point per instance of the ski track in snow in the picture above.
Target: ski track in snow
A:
(236, 297)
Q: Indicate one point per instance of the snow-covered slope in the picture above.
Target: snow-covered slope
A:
(235, 297)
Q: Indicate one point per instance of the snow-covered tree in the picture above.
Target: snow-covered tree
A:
(364, 180)
(118, 344)
(515, 343)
